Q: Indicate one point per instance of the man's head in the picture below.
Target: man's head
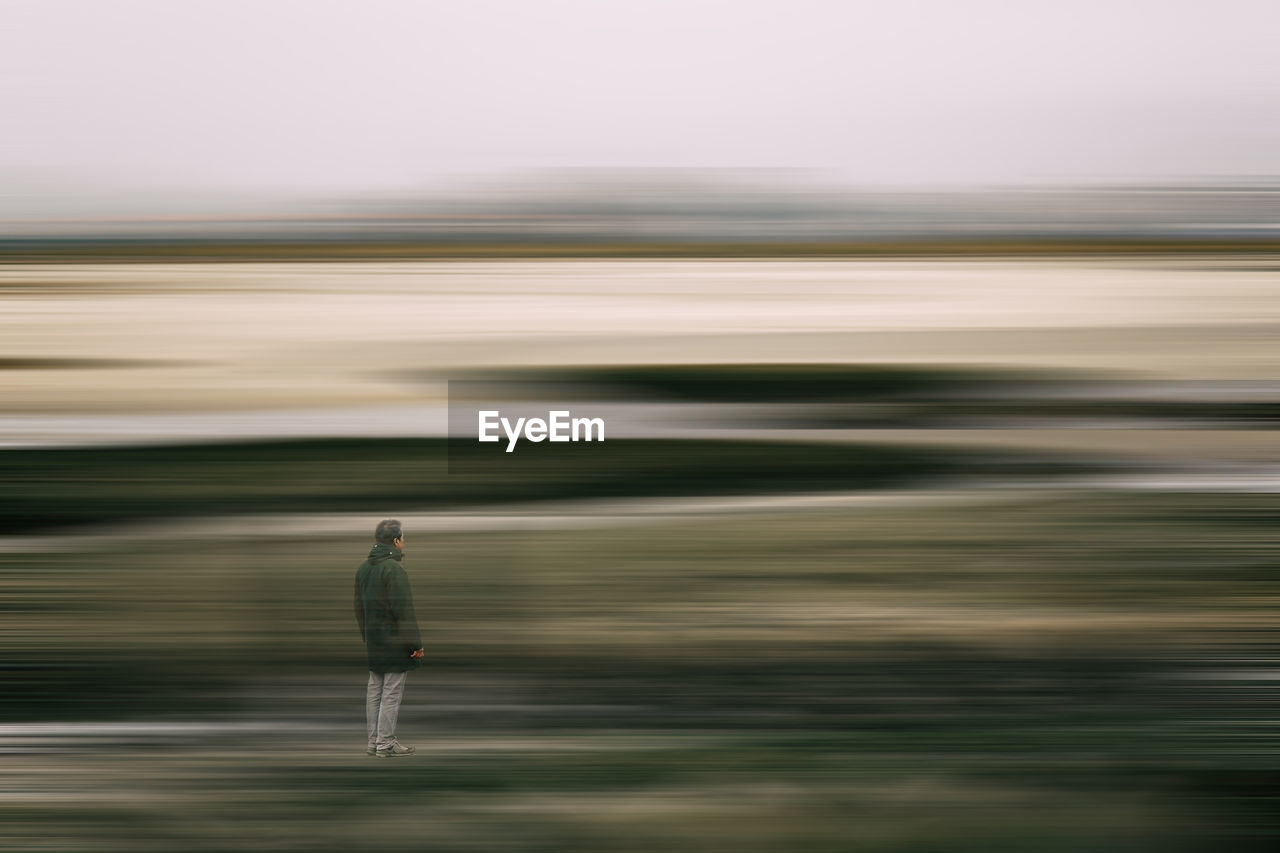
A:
(390, 533)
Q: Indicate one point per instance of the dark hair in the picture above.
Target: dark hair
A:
(388, 530)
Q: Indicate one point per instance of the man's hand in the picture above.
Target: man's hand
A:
(416, 655)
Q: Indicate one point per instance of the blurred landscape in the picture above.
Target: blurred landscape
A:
(926, 521)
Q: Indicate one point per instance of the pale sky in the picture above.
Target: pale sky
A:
(331, 95)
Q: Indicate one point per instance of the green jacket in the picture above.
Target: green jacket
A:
(384, 611)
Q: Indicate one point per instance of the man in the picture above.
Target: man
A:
(389, 628)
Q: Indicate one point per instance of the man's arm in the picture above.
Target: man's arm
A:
(359, 605)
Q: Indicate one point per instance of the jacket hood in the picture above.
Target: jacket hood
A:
(382, 552)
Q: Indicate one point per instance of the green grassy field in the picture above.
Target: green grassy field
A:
(1030, 671)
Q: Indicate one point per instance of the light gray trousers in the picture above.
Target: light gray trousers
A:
(382, 706)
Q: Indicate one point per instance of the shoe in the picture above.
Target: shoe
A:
(371, 751)
(395, 751)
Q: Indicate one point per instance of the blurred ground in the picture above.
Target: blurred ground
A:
(1033, 670)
